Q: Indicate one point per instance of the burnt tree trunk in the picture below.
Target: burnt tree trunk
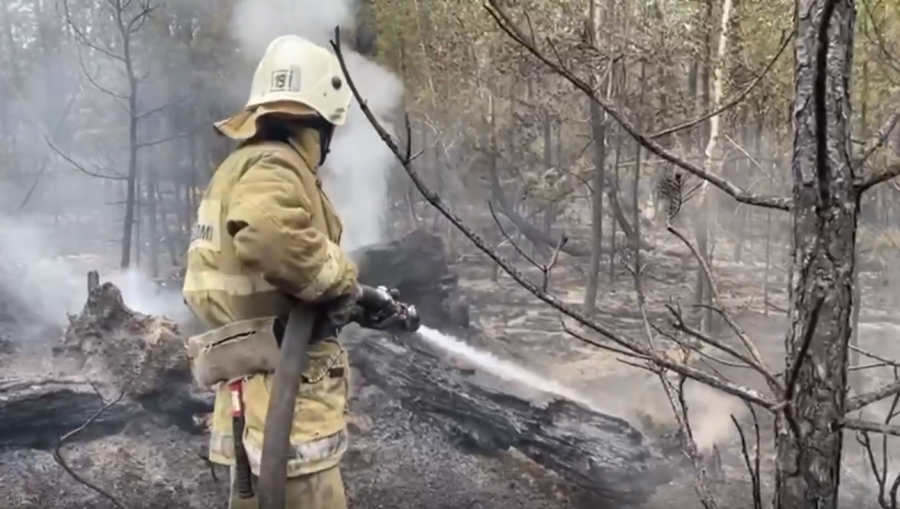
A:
(598, 130)
(826, 206)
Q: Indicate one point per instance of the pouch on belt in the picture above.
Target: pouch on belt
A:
(239, 349)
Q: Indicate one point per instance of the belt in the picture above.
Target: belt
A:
(323, 330)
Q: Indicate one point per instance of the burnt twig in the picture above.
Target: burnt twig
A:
(756, 359)
(545, 268)
(57, 456)
(752, 466)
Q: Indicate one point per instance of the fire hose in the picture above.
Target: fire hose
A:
(377, 308)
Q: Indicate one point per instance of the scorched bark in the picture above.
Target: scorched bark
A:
(825, 215)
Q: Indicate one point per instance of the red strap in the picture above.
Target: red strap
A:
(237, 398)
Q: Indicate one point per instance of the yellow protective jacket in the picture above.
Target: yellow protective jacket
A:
(266, 238)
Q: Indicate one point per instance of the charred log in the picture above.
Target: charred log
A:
(111, 349)
(35, 412)
(601, 454)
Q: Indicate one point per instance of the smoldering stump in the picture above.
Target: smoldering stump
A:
(119, 350)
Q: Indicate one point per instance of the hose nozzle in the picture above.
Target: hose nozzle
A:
(380, 309)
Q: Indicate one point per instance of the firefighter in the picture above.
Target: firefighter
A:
(266, 239)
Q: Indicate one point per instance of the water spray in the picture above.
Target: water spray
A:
(501, 368)
(380, 308)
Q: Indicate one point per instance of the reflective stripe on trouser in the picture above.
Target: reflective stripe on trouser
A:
(321, 490)
(304, 458)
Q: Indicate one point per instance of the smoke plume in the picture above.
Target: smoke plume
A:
(41, 281)
(358, 168)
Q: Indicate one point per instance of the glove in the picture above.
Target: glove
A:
(341, 310)
(367, 319)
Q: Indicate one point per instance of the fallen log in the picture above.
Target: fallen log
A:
(599, 453)
(37, 411)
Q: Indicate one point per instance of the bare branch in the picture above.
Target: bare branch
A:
(887, 496)
(873, 427)
(756, 359)
(890, 59)
(545, 268)
(880, 137)
(679, 405)
(874, 177)
(79, 167)
(166, 106)
(705, 338)
(504, 22)
(786, 39)
(874, 356)
(160, 141)
(59, 459)
(588, 341)
(138, 20)
(885, 391)
(82, 38)
(46, 161)
(754, 466)
(98, 86)
(878, 176)
(863, 367)
(514, 244)
(675, 395)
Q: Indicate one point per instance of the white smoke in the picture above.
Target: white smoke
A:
(357, 169)
(45, 281)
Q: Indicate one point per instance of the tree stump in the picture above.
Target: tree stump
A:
(131, 351)
(115, 351)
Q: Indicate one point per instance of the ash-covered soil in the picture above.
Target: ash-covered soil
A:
(396, 459)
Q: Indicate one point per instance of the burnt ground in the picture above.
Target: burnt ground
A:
(530, 332)
(397, 460)
(400, 460)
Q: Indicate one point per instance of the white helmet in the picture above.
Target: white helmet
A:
(294, 77)
(299, 71)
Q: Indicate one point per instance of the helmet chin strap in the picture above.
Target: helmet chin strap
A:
(326, 133)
